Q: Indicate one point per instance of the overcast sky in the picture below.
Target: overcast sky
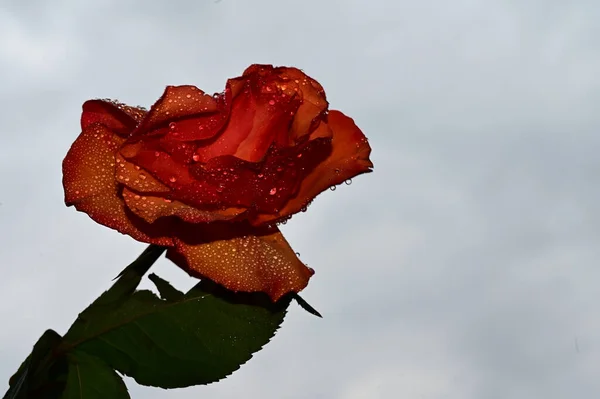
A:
(464, 267)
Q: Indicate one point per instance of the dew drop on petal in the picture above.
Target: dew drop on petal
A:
(348, 182)
(273, 191)
(332, 188)
(172, 179)
(271, 102)
(196, 157)
(172, 125)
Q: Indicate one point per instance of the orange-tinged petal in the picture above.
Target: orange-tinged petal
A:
(241, 258)
(349, 157)
(314, 104)
(119, 118)
(137, 178)
(89, 182)
(150, 208)
(258, 119)
(197, 114)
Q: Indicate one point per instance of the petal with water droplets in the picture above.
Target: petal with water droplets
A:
(258, 119)
(198, 115)
(119, 118)
(90, 185)
(150, 208)
(241, 258)
(349, 157)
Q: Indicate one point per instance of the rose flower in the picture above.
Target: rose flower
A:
(210, 177)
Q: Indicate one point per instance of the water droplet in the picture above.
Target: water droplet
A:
(297, 253)
(137, 197)
(167, 200)
(200, 127)
(260, 175)
(348, 182)
(271, 102)
(137, 167)
(172, 179)
(189, 96)
(196, 157)
(142, 176)
(273, 191)
(337, 171)
(332, 188)
(156, 153)
(172, 125)
(279, 168)
(299, 155)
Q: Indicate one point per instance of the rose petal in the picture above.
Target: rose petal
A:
(137, 178)
(150, 208)
(119, 118)
(196, 114)
(314, 104)
(241, 258)
(257, 120)
(89, 182)
(349, 158)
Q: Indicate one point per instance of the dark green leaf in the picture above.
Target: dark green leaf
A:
(166, 290)
(122, 289)
(197, 338)
(305, 305)
(90, 378)
(130, 277)
(40, 371)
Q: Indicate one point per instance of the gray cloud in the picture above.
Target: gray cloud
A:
(464, 267)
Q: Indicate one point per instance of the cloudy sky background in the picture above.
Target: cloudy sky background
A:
(464, 267)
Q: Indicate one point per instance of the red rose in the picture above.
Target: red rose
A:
(211, 176)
